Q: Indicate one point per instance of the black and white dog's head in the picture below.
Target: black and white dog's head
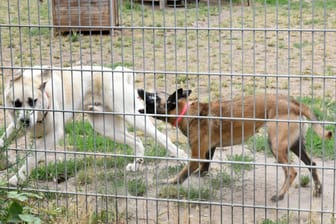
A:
(26, 98)
(151, 101)
(155, 104)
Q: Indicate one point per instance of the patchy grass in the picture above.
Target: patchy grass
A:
(221, 180)
(240, 167)
(191, 193)
(304, 180)
(83, 138)
(137, 186)
(61, 171)
(259, 143)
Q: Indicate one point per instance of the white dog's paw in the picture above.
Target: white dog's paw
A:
(135, 165)
(13, 181)
(182, 155)
(17, 179)
(2, 144)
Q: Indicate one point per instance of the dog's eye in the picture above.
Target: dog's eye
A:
(17, 103)
(32, 102)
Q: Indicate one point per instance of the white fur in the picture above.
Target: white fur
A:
(88, 88)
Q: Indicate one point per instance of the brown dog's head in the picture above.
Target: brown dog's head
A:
(156, 105)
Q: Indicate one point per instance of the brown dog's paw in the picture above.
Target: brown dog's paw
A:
(276, 198)
(200, 172)
(317, 191)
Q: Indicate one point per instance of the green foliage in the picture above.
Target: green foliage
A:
(36, 31)
(81, 136)
(17, 207)
(300, 4)
(156, 150)
(123, 63)
(222, 179)
(304, 180)
(60, 171)
(190, 193)
(83, 178)
(324, 110)
(259, 143)
(282, 220)
(137, 187)
(169, 171)
(318, 146)
(74, 36)
(273, 2)
(267, 221)
(237, 167)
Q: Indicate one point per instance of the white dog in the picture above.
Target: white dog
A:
(43, 99)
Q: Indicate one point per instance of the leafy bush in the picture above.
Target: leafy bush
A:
(16, 207)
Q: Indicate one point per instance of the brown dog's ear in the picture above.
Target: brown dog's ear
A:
(186, 93)
(181, 93)
(141, 94)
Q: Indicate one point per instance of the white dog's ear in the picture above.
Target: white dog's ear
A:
(15, 76)
(45, 77)
(42, 86)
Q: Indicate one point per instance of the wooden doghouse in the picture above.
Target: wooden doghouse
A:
(84, 15)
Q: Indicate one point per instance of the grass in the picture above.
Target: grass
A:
(222, 179)
(240, 167)
(191, 193)
(304, 180)
(295, 5)
(60, 171)
(137, 187)
(82, 137)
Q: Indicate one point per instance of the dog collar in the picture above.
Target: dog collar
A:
(179, 118)
(46, 112)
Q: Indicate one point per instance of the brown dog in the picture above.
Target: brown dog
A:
(226, 123)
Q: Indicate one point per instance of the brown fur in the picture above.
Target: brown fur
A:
(241, 118)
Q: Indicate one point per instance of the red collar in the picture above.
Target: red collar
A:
(179, 118)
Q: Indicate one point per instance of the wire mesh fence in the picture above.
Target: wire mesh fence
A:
(168, 111)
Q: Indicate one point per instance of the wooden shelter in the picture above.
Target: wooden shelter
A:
(84, 15)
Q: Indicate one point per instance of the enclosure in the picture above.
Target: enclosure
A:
(221, 50)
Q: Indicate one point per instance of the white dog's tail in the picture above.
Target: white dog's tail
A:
(129, 75)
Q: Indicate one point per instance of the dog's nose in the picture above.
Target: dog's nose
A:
(25, 122)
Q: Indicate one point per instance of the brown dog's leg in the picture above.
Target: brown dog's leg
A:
(299, 149)
(192, 166)
(185, 173)
(204, 167)
(282, 156)
(290, 175)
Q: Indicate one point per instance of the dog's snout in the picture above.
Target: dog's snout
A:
(25, 122)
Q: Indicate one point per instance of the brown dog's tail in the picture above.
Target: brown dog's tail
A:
(301, 108)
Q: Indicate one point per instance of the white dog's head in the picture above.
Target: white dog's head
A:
(26, 98)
